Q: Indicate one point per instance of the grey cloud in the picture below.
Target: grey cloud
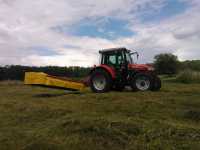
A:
(185, 34)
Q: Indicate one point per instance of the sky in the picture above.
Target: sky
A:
(71, 32)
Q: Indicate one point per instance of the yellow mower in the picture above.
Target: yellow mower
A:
(39, 78)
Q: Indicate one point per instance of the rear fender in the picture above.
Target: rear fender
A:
(108, 69)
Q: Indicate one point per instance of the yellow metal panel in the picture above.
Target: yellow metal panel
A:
(35, 78)
(50, 81)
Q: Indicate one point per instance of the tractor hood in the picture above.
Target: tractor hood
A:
(141, 67)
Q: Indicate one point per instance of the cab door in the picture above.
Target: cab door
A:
(121, 67)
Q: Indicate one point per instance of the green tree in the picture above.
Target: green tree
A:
(191, 64)
(166, 63)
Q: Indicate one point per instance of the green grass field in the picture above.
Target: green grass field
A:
(34, 118)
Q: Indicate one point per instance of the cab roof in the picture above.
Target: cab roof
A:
(113, 50)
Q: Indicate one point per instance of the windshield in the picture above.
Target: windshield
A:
(132, 57)
(129, 59)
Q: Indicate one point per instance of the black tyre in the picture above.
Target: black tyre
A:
(100, 81)
(141, 82)
(157, 84)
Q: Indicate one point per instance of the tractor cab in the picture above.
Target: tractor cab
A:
(123, 59)
(116, 57)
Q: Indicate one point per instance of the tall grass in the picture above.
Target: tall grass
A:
(188, 76)
(37, 118)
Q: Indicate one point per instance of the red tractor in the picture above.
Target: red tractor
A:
(117, 70)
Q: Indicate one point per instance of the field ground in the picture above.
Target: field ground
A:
(41, 118)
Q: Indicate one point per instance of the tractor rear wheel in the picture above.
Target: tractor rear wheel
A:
(141, 82)
(100, 81)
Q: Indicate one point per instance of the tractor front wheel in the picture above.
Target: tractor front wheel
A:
(100, 81)
(141, 82)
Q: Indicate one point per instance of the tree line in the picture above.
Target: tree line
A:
(164, 64)
(16, 72)
(169, 64)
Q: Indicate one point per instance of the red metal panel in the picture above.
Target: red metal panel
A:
(139, 67)
(110, 70)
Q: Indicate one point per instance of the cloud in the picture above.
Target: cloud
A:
(179, 34)
(38, 32)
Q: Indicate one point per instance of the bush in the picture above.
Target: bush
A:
(191, 64)
(188, 76)
(166, 64)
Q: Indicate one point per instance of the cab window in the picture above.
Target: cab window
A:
(112, 60)
(120, 59)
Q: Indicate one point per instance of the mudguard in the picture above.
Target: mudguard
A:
(109, 69)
